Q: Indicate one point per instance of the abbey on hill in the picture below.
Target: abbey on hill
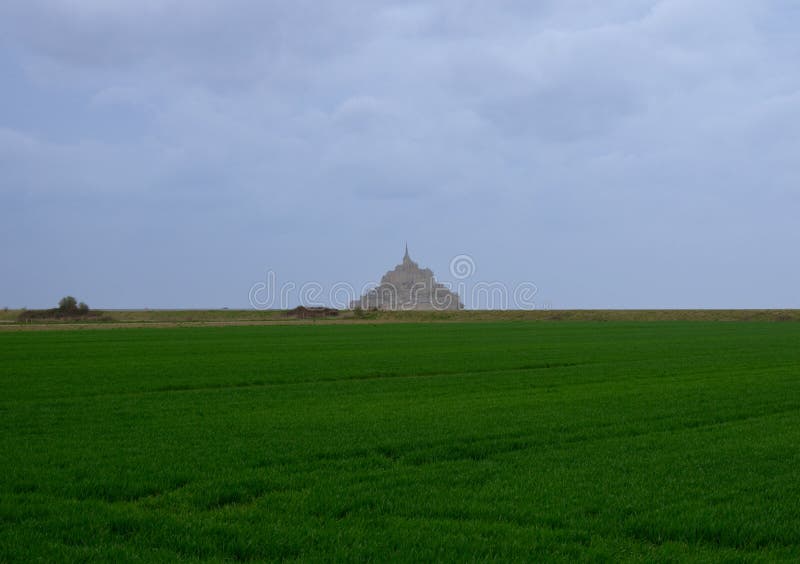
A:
(409, 287)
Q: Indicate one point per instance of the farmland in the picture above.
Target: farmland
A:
(508, 440)
(10, 319)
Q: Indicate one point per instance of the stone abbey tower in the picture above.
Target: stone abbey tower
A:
(409, 287)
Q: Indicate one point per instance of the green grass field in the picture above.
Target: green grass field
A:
(453, 441)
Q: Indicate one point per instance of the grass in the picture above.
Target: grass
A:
(167, 317)
(601, 441)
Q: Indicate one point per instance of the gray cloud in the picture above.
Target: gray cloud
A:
(625, 153)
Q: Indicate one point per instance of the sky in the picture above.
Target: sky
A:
(616, 154)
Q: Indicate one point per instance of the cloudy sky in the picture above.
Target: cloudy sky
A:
(625, 153)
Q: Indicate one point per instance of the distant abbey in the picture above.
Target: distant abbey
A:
(409, 287)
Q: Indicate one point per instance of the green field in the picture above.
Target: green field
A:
(452, 441)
